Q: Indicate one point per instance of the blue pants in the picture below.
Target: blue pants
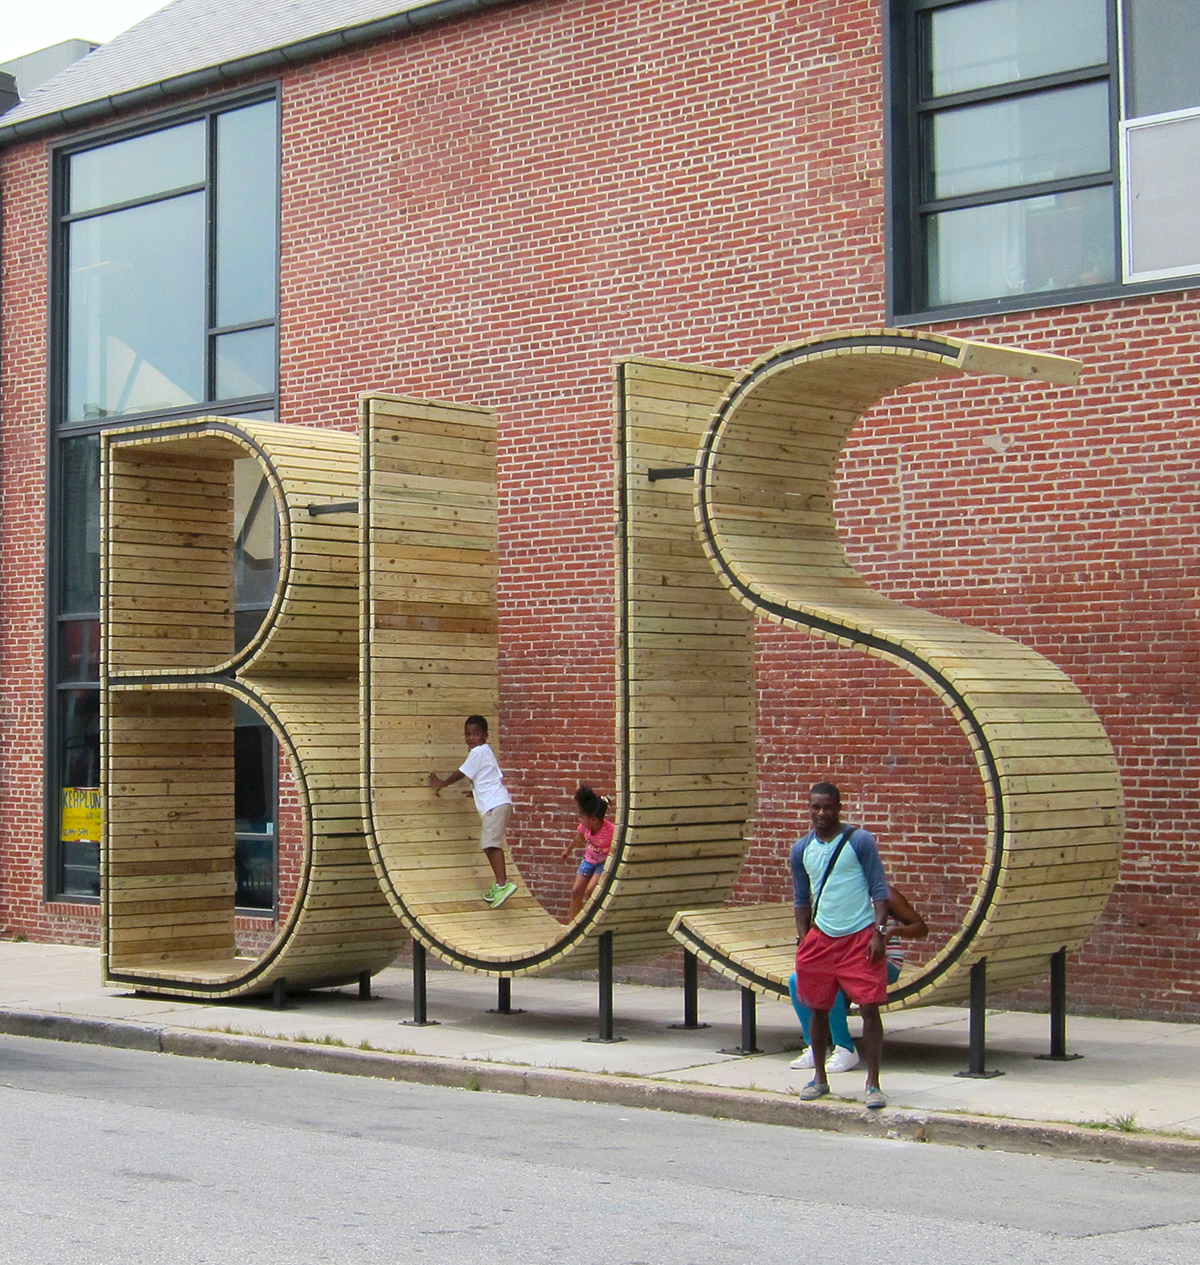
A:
(839, 1029)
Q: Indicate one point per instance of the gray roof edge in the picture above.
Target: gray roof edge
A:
(272, 59)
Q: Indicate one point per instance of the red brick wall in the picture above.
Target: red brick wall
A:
(23, 317)
(492, 211)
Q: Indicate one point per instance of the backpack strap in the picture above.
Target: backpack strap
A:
(847, 831)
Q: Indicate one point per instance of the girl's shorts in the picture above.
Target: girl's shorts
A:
(588, 868)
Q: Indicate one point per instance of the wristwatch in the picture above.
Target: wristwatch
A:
(881, 927)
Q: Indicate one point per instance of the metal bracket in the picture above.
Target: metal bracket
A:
(978, 1030)
(420, 1017)
(605, 1037)
(749, 1043)
(1058, 1010)
(691, 994)
(333, 507)
(504, 1004)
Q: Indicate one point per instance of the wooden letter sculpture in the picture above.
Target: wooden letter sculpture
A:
(763, 504)
(683, 716)
(382, 637)
(169, 677)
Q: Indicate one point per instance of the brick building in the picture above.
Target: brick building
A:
(268, 211)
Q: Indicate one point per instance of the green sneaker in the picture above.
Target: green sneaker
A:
(490, 894)
(502, 894)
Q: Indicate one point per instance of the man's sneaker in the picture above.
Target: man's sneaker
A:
(502, 894)
(805, 1060)
(842, 1060)
(875, 1098)
(814, 1089)
(490, 894)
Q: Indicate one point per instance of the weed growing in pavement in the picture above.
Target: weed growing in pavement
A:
(371, 1048)
(302, 1038)
(1122, 1121)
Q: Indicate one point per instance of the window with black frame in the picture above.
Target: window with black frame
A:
(1042, 148)
(166, 267)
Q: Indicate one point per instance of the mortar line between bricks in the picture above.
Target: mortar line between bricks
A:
(1055, 1139)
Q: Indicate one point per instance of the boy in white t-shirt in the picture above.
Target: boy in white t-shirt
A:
(491, 799)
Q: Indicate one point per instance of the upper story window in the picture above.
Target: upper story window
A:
(170, 249)
(165, 307)
(1043, 147)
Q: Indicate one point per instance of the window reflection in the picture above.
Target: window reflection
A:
(1029, 244)
(979, 45)
(1163, 42)
(256, 547)
(155, 163)
(136, 310)
(247, 228)
(81, 803)
(79, 650)
(80, 484)
(80, 711)
(1024, 140)
(246, 363)
(256, 753)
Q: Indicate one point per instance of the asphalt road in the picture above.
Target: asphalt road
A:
(118, 1156)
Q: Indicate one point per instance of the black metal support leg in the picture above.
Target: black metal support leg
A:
(1058, 1010)
(691, 993)
(504, 1004)
(279, 994)
(420, 1017)
(364, 986)
(749, 1043)
(978, 1033)
(606, 1037)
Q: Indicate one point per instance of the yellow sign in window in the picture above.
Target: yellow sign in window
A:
(82, 814)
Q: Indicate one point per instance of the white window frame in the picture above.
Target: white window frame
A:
(1128, 127)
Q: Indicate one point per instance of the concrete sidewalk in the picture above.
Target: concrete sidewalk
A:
(1134, 1096)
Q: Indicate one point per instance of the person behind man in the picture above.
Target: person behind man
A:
(904, 923)
(841, 899)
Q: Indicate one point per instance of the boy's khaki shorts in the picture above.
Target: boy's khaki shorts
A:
(495, 821)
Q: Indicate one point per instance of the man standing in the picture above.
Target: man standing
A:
(841, 917)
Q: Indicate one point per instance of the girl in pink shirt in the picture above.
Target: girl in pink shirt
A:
(597, 836)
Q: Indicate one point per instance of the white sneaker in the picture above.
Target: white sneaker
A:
(805, 1059)
(842, 1060)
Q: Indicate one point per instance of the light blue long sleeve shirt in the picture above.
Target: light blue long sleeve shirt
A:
(857, 880)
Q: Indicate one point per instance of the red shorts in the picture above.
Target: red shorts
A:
(825, 964)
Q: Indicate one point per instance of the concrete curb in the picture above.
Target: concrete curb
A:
(757, 1107)
(58, 1027)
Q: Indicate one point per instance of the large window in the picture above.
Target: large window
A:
(1042, 148)
(166, 302)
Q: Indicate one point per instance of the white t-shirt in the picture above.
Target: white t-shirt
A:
(487, 781)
